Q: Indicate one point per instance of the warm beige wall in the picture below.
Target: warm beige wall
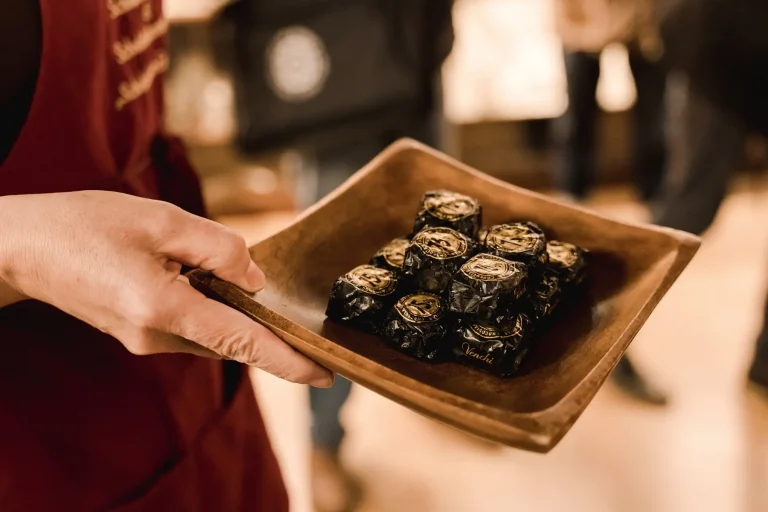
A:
(507, 64)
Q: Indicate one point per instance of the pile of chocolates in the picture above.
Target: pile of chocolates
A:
(455, 290)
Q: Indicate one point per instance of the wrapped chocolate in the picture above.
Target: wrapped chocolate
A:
(441, 208)
(435, 254)
(482, 234)
(567, 261)
(416, 325)
(362, 297)
(518, 241)
(486, 286)
(544, 295)
(496, 349)
(391, 256)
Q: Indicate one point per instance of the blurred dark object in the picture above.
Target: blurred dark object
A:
(575, 130)
(324, 73)
(627, 378)
(722, 45)
(719, 52)
(537, 133)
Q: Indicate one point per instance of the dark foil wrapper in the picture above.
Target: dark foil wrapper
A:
(417, 326)
(499, 350)
(544, 296)
(442, 208)
(392, 255)
(434, 256)
(486, 286)
(568, 261)
(518, 241)
(362, 297)
(482, 234)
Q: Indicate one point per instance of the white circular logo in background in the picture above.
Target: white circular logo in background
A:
(297, 64)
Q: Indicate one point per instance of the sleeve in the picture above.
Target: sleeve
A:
(20, 46)
(20, 50)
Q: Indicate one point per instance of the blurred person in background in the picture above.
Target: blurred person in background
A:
(586, 28)
(121, 387)
(339, 81)
(718, 51)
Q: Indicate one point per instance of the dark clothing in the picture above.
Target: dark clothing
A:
(20, 46)
(575, 131)
(707, 143)
(326, 404)
(368, 68)
(332, 169)
(708, 146)
(722, 46)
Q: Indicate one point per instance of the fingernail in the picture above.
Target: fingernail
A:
(324, 381)
(255, 277)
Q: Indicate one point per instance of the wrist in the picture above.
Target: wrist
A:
(9, 294)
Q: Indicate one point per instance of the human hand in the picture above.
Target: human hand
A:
(114, 261)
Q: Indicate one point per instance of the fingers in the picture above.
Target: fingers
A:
(231, 334)
(205, 244)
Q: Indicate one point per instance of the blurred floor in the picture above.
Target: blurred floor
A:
(707, 452)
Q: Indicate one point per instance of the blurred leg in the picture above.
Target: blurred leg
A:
(333, 488)
(575, 130)
(704, 151)
(325, 404)
(629, 380)
(650, 149)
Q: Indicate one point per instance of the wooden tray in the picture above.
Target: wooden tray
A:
(632, 267)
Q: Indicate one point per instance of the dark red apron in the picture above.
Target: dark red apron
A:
(85, 425)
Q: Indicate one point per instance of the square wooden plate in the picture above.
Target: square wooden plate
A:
(632, 267)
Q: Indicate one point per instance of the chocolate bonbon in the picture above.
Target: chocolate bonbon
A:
(454, 290)
(545, 294)
(415, 326)
(362, 297)
(492, 348)
(443, 208)
(568, 261)
(518, 241)
(392, 255)
(486, 286)
(434, 256)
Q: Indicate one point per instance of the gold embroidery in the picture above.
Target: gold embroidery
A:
(135, 88)
(128, 48)
(119, 7)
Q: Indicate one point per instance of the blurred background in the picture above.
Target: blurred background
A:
(504, 92)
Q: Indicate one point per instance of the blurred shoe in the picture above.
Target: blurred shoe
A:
(758, 375)
(626, 377)
(333, 488)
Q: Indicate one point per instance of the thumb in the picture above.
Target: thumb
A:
(202, 243)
